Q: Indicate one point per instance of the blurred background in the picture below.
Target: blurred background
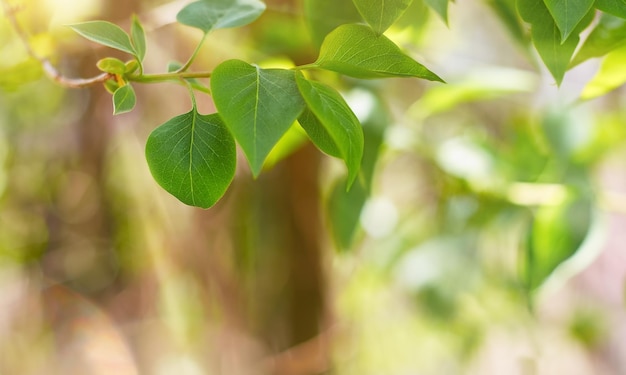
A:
(487, 237)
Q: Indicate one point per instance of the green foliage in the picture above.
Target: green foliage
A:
(331, 124)
(193, 157)
(138, 38)
(323, 16)
(208, 15)
(607, 35)
(610, 76)
(381, 14)
(568, 14)
(441, 7)
(614, 7)
(556, 234)
(356, 51)
(555, 51)
(258, 106)
(105, 33)
(124, 99)
(111, 65)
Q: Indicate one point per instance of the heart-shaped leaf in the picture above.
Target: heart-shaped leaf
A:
(357, 51)
(105, 33)
(138, 38)
(208, 15)
(381, 14)
(258, 106)
(331, 124)
(124, 100)
(193, 157)
(568, 13)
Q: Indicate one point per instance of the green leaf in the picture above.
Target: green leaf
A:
(610, 76)
(105, 33)
(381, 14)
(556, 234)
(11, 78)
(334, 121)
(193, 157)
(323, 16)
(208, 15)
(547, 38)
(356, 51)
(258, 106)
(138, 38)
(615, 7)
(111, 65)
(609, 33)
(344, 211)
(124, 100)
(441, 7)
(568, 13)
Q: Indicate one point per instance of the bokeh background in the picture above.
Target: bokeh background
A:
(441, 262)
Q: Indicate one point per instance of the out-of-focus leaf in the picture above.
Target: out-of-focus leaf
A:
(441, 7)
(612, 74)
(332, 118)
(344, 210)
(479, 85)
(208, 15)
(609, 34)
(568, 13)
(193, 157)
(356, 51)
(124, 100)
(506, 11)
(105, 33)
(555, 53)
(323, 16)
(381, 14)
(555, 235)
(615, 7)
(258, 106)
(26, 71)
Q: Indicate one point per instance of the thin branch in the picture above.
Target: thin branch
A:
(52, 72)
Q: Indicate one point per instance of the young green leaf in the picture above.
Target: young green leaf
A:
(218, 14)
(381, 14)
(356, 51)
(258, 106)
(607, 35)
(138, 38)
(614, 7)
(124, 99)
(547, 38)
(441, 7)
(105, 33)
(568, 13)
(111, 65)
(193, 157)
(333, 122)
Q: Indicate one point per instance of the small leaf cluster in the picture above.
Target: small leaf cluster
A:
(193, 155)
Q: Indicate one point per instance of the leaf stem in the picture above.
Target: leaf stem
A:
(193, 55)
(161, 77)
(192, 95)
